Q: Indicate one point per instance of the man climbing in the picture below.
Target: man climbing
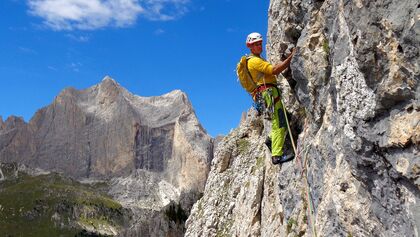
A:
(264, 74)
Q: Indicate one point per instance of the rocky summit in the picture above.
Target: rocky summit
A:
(151, 151)
(354, 98)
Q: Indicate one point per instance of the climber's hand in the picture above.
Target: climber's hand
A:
(293, 52)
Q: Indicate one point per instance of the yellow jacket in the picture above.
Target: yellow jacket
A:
(261, 70)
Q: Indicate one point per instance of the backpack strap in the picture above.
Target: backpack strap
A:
(254, 93)
(248, 57)
(260, 74)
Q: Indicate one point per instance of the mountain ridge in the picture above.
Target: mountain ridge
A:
(76, 118)
(152, 153)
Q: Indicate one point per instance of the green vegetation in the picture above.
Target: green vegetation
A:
(260, 162)
(51, 205)
(258, 165)
(243, 145)
(326, 47)
(305, 218)
(290, 224)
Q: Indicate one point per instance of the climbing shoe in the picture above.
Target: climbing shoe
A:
(281, 159)
(268, 143)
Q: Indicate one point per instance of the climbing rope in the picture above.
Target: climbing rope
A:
(311, 212)
(311, 218)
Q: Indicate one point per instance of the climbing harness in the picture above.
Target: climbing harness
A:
(260, 104)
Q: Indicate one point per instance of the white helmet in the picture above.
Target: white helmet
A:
(253, 37)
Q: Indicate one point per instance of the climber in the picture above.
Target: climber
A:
(264, 74)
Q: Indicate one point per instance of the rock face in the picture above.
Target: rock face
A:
(152, 150)
(355, 105)
(241, 196)
(105, 131)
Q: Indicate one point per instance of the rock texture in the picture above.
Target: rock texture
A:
(355, 105)
(241, 196)
(105, 131)
(152, 150)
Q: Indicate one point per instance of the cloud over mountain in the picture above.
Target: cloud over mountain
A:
(95, 14)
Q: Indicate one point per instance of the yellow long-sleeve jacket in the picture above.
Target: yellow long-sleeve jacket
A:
(261, 70)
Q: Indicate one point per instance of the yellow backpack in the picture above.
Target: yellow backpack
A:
(244, 76)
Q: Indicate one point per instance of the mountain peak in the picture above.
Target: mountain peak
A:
(108, 82)
(108, 79)
(109, 88)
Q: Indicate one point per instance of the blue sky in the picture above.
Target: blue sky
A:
(150, 47)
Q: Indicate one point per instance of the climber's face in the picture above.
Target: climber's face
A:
(256, 48)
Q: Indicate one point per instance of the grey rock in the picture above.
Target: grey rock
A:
(355, 115)
(105, 131)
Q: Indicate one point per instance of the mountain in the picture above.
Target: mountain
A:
(151, 151)
(354, 99)
(105, 131)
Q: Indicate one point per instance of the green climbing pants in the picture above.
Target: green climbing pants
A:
(278, 131)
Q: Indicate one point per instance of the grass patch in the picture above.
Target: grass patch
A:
(326, 47)
(290, 224)
(258, 165)
(45, 205)
(260, 162)
(243, 145)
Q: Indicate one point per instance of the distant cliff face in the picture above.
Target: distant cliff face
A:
(105, 131)
(153, 151)
(355, 101)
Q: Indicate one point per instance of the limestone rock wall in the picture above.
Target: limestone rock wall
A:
(241, 195)
(105, 132)
(354, 98)
(152, 151)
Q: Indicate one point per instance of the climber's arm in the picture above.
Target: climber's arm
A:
(278, 68)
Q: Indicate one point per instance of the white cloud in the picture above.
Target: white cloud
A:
(165, 10)
(94, 14)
